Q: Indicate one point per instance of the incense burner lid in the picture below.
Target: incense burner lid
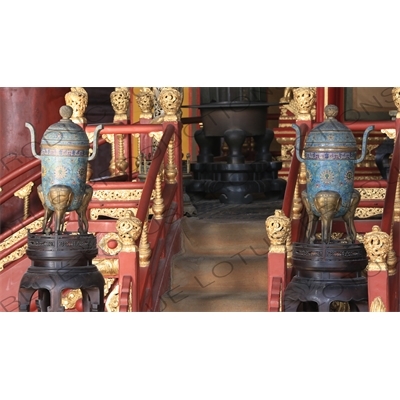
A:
(330, 134)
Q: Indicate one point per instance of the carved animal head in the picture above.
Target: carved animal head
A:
(60, 197)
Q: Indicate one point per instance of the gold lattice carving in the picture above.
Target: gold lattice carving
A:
(377, 305)
(15, 255)
(303, 102)
(360, 237)
(170, 100)
(370, 155)
(116, 213)
(377, 246)
(129, 229)
(396, 99)
(291, 106)
(286, 152)
(120, 100)
(107, 266)
(77, 98)
(112, 302)
(122, 194)
(145, 100)
(278, 228)
(372, 193)
(367, 177)
(108, 282)
(367, 212)
(21, 234)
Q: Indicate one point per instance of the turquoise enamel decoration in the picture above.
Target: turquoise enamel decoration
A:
(64, 160)
(330, 156)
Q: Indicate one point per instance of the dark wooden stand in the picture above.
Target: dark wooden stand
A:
(326, 274)
(61, 262)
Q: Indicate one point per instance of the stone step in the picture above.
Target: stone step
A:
(224, 237)
(222, 302)
(222, 267)
(212, 274)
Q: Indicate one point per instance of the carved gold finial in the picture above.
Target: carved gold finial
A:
(121, 164)
(278, 228)
(170, 100)
(129, 229)
(158, 202)
(144, 247)
(120, 100)
(170, 170)
(377, 305)
(77, 98)
(291, 104)
(145, 100)
(109, 138)
(23, 194)
(376, 245)
(138, 162)
(297, 205)
(304, 98)
(396, 99)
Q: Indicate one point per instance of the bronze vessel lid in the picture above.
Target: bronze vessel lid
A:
(65, 131)
(331, 133)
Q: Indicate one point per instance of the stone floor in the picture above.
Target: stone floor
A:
(212, 208)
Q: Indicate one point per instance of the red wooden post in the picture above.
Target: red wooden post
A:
(276, 280)
(378, 290)
(128, 267)
(278, 230)
(377, 246)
